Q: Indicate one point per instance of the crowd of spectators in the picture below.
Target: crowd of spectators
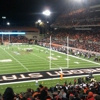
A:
(86, 40)
(14, 39)
(83, 16)
(67, 91)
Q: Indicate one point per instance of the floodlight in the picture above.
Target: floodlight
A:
(47, 12)
(3, 17)
(39, 21)
(8, 23)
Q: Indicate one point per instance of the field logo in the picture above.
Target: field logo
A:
(51, 74)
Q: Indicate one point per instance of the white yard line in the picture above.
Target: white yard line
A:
(15, 59)
(45, 60)
(72, 56)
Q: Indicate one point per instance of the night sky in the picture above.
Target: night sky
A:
(27, 12)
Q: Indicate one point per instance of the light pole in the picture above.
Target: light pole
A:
(9, 34)
(47, 13)
(38, 23)
(3, 17)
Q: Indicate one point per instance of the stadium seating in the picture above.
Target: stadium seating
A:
(68, 91)
(84, 16)
(14, 39)
(86, 40)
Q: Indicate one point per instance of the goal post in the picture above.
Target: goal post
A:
(50, 54)
(67, 52)
(51, 58)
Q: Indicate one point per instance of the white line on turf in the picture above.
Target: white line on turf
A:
(44, 59)
(72, 56)
(16, 60)
(45, 79)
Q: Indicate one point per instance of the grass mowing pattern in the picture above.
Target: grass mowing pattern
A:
(37, 60)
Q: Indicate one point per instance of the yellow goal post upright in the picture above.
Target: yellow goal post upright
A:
(67, 55)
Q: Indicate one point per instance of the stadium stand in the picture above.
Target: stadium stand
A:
(15, 39)
(88, 40)
(82, 28)
(87, 16)
(68, 91)
(77, 38)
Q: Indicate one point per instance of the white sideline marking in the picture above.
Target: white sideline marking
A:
(16, 60)
(45, 79)
(73, 56)
(85, 60)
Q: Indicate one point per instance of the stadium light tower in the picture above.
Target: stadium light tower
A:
(4, 18)
(46, 12)
(8, 23)
(39, 21)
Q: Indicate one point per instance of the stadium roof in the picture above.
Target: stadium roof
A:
(17, 29)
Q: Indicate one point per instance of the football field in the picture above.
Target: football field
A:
(15, 59)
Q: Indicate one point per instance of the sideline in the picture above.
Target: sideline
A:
(46, 79)
(72, 56)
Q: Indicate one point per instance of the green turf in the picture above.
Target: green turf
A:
(37, 60)
(22, 87)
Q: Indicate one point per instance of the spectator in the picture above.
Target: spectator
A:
(8, 94)
(90, 96)
(97, 97)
